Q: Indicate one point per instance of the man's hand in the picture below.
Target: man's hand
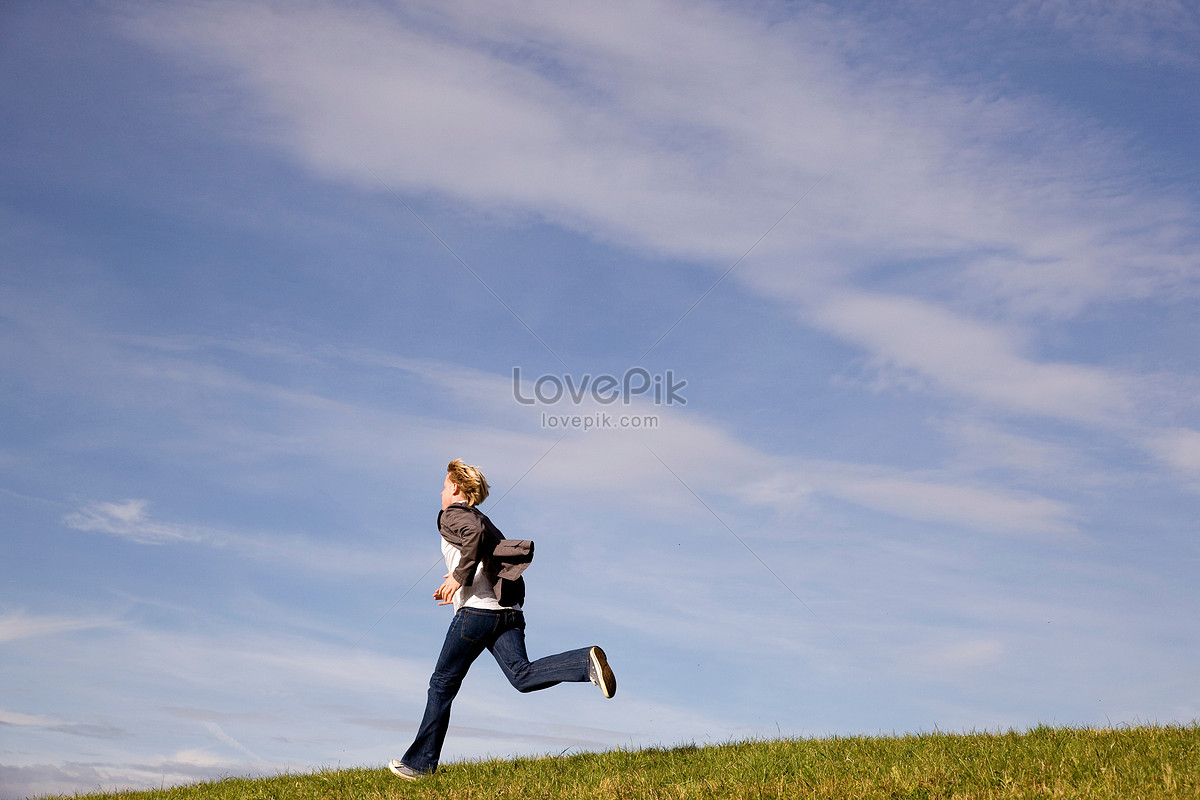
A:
(445, 593)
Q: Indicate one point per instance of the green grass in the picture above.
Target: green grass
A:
(1125, 763)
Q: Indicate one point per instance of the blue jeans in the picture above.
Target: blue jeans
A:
(471, 631)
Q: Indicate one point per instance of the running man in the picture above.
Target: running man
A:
(484, 583)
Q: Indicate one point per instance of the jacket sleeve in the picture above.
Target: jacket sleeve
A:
(467, 528)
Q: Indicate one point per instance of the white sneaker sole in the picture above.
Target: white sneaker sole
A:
(394, 765)
(608, 681)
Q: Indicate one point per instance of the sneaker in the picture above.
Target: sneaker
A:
(404, 770)
(600, 673)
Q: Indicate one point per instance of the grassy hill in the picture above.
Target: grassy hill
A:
(1124, 763)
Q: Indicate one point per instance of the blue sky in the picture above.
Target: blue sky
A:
(265, 270)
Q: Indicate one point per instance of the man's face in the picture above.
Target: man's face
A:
(450, 494)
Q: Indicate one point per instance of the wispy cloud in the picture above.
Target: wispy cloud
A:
(956, 503)
(982, 446)
(1016, 213)
(70, 777)
(219, 733)
(919, 170)
(129, 520)
(342, 430)
(17, 624)
(1179, 447)
(972, 359)
(275, 713)
(41, 722)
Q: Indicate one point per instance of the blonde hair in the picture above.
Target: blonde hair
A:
(469, 480)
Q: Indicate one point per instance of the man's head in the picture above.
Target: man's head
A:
(463, 484)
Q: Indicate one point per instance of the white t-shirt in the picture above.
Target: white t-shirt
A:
(479, 594)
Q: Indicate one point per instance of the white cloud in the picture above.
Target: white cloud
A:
(720, 468)
(281, 709)
(219, 733)
(688, 130)
(1179, 448)
(75, 777)
(505, 436)
(983, 446)
(956, 504)
(41, 722)
(972, 359)
(16, 625)
(128, 520)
